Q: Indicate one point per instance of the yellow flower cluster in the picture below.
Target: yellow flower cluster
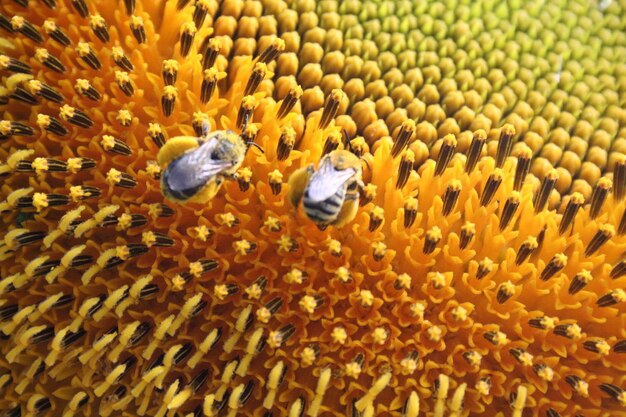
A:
(483, 274)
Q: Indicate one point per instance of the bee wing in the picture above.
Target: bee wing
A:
(205, 165)
(327, 180)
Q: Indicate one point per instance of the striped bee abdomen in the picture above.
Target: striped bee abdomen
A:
(325, 211)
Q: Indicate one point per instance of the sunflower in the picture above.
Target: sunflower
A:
(483, 273)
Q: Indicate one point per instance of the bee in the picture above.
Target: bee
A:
(330, 194)
(195, 168)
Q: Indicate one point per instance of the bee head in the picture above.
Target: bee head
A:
(228, 146)
(347, 146)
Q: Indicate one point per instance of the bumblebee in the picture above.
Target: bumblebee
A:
(330, 194)
(195, 168)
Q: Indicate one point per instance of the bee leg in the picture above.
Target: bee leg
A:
(347, 213)
(230, 176)
(175, 147)
(207, 193)
(297, 183)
